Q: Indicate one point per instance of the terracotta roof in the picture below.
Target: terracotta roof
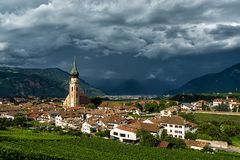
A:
(101, 112)
(127, 128)
(145, 126)
(33, 115)
(163, 144)
(113, 119)
(170, 120)
(196, 143)
(71, 114)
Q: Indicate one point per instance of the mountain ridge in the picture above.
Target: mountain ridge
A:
(47, 82)
(227, 80)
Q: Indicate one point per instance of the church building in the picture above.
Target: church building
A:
(75, 96)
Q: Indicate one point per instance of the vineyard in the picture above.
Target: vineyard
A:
(26, 144)
(201, 117)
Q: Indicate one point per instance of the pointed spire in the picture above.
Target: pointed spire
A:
(74, 71)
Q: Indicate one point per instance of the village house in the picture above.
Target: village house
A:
(119, 108)
(34, 115)
(169, 111)
(175, 126)
(90, 126)
(12, 114)
(95, 113)
(48, 117)
(128, 132)
(218, 101)
(111, 122)
(124, 133)
(199, 104)
(215, 144)
(188, 107)
(153, 128)
(70, 119)
(164, 144)
(198, 145)
(231, 102)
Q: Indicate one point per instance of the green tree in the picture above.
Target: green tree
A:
(190, 135)
(164, 135)
(154, 106)
(236, 109)
(187, 116)
(223, 108)
(146, 138)
(20, 121)
(176, 142)
(205, 108)
(139, 106)
(103, 133)
(4, 123)
(96, 101)
(91, 105)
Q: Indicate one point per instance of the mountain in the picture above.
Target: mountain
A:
(50, 82)
(132, 86)
(227, 80)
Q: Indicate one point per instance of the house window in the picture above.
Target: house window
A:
(128, 135)
(72, 88)
(115, 133)
(176, 131)
(170, 125)
(176, 126)
(180, 136)
(170, 130)
(180, 126)
(122, 135)
(175, 136)
(76, 88)
(179, 131)
(164, 124)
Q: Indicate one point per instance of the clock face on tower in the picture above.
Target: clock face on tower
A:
(74, 80)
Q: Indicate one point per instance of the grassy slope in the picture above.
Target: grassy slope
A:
(70, 147)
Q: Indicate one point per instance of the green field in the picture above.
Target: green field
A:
(201, 117)
(26, 144)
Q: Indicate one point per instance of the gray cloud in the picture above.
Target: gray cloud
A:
(50, 30)
(225, 31)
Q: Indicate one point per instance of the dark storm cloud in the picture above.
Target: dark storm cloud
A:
(225, 31)
(49, 32)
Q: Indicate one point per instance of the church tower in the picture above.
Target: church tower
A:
(75, 98)
(74, 87)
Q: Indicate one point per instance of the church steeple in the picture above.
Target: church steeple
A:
(74, 71)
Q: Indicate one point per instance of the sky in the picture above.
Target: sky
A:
(171, 40)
